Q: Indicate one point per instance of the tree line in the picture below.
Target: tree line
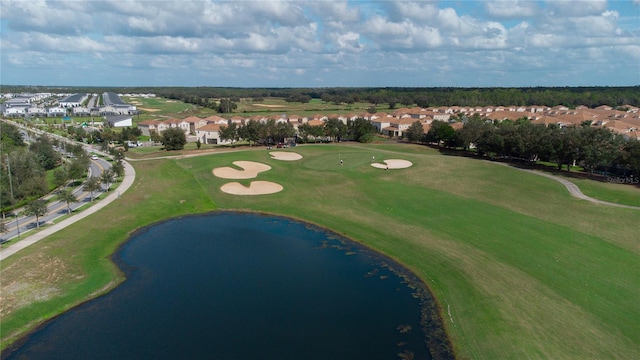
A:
(392, 96)
(23, 167)
(597, 149)
(272, 132)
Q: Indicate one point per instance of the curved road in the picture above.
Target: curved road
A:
(127, 181)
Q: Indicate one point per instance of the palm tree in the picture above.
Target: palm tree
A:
(66, 196)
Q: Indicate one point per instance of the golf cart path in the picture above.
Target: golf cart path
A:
(575, 191)
(127, 181)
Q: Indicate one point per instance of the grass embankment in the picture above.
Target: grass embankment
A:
(73, 264)
(519, 267)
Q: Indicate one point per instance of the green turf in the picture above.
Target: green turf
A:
(626, 194)
(519, 268)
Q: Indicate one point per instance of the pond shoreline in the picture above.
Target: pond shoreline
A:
(431, 319)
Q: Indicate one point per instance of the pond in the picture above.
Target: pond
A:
(244, 286)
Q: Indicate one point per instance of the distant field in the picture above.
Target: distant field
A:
(519, 267)
(315, 106)
(160, 107)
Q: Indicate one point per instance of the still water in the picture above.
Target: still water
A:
(241, 286)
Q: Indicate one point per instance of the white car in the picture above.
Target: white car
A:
(94, 157)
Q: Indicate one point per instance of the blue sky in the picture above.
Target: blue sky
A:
(320, 43)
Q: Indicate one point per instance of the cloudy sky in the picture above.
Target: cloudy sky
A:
(320, 43)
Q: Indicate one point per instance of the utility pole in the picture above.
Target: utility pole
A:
(9, 172)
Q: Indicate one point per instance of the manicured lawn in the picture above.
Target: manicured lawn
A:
(607, 191)
(519, 268)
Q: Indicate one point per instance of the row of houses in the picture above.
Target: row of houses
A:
(394, 124)
(81, 104)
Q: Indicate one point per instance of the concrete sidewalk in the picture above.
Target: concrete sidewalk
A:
(127, 181)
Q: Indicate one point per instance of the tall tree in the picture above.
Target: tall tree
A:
(361, 130)
(10, 137)
(284, 131)
(415, 132)
(226, 106)
(77, 169)
(107, 178)
(92, 185)
(471, 131)
(304, 131)
(37, 208)
(60, 176)
(174, 139)
(229, 132)
(46, 156)
(335, 129)
(118, 168)
(25, 179)
(631, 156)
(440, 131)
(600, 147)
(66, 196)
(251, 131)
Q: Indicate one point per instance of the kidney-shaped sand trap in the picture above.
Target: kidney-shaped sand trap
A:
(285, 155)
(249, 170)
(393, 164)
(255, 188)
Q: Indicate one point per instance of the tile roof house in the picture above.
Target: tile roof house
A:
(210, 134)
(193, 123)
(149, 126)
(215, 119)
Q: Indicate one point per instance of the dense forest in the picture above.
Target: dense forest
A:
(409, 96)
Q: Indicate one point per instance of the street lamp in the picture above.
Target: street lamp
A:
(17, 225)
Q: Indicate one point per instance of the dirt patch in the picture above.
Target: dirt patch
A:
(148, 109)
(23, 285)
(393, 164)
(249, 170)
(285, 155)
(254, 188)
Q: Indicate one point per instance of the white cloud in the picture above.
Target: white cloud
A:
(344, 39)
(577, 8)
(336, 11)
(511, 9)
(349, 41)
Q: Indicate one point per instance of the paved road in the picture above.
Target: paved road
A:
(55, 208)
(129, 177)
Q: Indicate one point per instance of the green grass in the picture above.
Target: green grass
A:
(616, 193)
(520, 274)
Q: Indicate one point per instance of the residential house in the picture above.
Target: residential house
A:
(210, 134)
(148, 127)
(194, 123)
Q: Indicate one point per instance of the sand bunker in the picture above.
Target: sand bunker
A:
(250, 170)
(255, 188)
(285, 155)
(393, 164)
(269, 106)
